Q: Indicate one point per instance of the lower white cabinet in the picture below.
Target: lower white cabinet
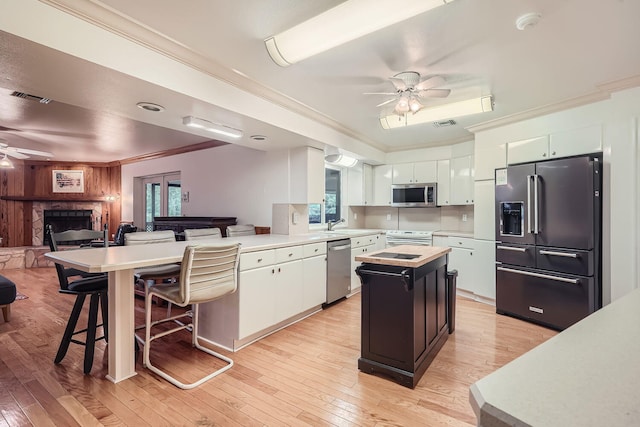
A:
(359, 246)
(292, 282)
(314, 290)
(461, 259)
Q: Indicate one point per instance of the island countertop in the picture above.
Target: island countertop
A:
(587, 375)
(426, 254)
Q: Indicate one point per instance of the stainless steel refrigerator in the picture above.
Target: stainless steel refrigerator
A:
(548, 240)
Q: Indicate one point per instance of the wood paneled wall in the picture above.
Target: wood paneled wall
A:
(32, 181)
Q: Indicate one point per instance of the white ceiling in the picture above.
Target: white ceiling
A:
(574, 54)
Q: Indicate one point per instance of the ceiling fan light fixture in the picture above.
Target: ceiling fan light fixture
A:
(6, 163)
(219, 129)
(343, 23)
(341, 160)
(441, 112)
(415, 105)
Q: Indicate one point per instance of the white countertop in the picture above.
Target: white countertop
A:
(588, 375)
(98, 260)
(454, 233)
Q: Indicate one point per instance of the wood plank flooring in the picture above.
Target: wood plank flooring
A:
(304, 375)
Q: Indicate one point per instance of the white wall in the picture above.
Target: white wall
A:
(619, 118)
(222, 181)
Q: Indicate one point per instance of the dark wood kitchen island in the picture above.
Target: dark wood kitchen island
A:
(406, 310)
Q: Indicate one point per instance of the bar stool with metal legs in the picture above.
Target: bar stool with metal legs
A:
(95, 286)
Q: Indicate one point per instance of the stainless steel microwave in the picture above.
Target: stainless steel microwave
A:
(413, 195)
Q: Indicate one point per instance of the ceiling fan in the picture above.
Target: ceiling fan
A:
(18, 153)
(410, 90)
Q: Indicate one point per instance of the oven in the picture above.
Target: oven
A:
(403, 237)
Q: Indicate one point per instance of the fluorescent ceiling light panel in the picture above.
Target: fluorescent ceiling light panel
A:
(197, 123)
(343, 23)
(442, 112)
(340, 160)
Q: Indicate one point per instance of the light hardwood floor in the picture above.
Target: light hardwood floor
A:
(304, 375)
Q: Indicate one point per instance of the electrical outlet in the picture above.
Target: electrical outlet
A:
(464, 217)
(355, 216)
(388, 217)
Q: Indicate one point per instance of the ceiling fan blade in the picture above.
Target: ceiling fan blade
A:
(380, 93)
(385, 102)
(13, 153)
(434, 93)
(32, 152)
(399, 83)
(430, 82)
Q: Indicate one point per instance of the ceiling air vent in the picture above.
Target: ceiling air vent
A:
(40, 99)
(444, 123)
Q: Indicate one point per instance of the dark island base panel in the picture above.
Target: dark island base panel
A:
(402, 377)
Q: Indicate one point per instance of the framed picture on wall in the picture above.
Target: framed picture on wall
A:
(69, 181)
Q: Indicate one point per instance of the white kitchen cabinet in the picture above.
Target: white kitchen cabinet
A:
(307, 175)
(560, 144)
(257, 300)
(488, 159)
(359, 246)
(484, 222)
(444, 183)
(441, 241)
(528, 150)
(412, 173)
(360, 185)
(483, 283)
(577, 141)
(288, 289)
(462, 179)
(382, 185)
(461, 259)
(314, 291)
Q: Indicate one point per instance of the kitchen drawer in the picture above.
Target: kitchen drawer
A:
(566, 260)
(357, 242)
(544, 298)
(314, 249)
(460, 242)
(522, 255)
(290, 253)
(251, 260)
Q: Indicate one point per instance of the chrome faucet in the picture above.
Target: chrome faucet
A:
(331, 224)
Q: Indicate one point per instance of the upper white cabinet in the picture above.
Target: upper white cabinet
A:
(360, 185)
(382, 185)
(528, 150)
(444, 183)
(307, 175)
(559, 144)
(412, 173)
(462, 177)
(577, 141)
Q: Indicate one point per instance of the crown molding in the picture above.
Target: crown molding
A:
(603, 92)
(107, 18)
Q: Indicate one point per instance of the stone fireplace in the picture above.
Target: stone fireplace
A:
(66, 215)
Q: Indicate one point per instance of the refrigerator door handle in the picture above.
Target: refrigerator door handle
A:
(511, 248)
(536, 228)
(563, 254)
(529, 203)
(540, 275)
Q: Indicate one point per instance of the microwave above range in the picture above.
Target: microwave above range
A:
(414, 195)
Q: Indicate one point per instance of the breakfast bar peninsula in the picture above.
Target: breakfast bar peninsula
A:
(407, 310)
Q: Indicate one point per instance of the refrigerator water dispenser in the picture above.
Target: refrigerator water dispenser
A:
(512, 218)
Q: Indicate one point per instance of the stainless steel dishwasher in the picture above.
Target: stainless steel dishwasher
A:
(338, 269)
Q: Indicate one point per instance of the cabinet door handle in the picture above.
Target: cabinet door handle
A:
(563, 254)
(290, 254)
(259, 259)
(279, 270)
(541, 276)
(511, 248)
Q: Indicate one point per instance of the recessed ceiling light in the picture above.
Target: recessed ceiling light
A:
(528, 20)
(258, 137)
(150, 106)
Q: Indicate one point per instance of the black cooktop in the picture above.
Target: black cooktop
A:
(395, 255)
